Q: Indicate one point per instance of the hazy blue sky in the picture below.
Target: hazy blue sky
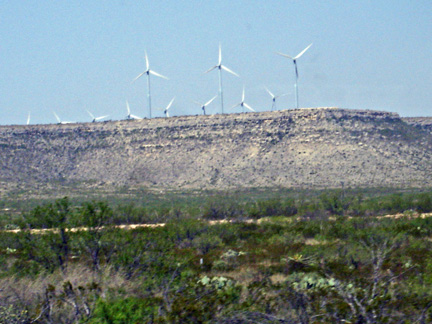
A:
(69, 56)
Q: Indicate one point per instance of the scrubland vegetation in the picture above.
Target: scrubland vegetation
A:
(327, 257)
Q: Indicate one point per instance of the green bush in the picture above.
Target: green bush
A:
(126, 311)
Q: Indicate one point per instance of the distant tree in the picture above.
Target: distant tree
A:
(95, 219)
(56, 219)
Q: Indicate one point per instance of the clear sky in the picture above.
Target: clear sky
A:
(73, 56)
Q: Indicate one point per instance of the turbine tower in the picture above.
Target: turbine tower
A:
(294, 59)
(203, 106)
(274, 98)
(148, 72)
(243, 104)
(221, 67)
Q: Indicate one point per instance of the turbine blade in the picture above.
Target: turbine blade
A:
(235, 106)
(127, 107)
(135, 117)
(220, 54)
(302, 52)
(210, 101)
(248, 107)
(282, 95)
(243, 94)
(158, 75)
(91, 115)
(169, 105)
(139, 76)
(269, 92)
(211, 69)
(101, 117)
(284, 55)
(57, 117)
(28, 118)
(147, 61)
(167, 114)
(196, 102)
(228, 70)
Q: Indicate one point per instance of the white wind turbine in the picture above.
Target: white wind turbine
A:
(165, 111)
(95, 119)
(203, 106)
(243, 104)
(59, 120)
(28, 118)
(148, 72)
(274, 98)
(294, 59)
(129, 115)
(221, 67)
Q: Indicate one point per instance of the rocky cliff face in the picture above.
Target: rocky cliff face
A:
(320, 147)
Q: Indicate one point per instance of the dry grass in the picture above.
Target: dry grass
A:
(28, 290)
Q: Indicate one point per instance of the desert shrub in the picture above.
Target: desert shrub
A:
(308, 228)
(129, 214)
(140, 251)
(229, 260)
(13, 314)
(95, 218)
(205, 242)
(228, 232)
(50, 215)
(223, 210)
(202, 301)
(333, 203)
(50, 250)
(424, 203)
(126, 310)
(272, 207)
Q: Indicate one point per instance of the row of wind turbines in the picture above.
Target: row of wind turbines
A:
(220, 67)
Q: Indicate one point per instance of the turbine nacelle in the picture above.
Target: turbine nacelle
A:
(243, 104)
(165, 110)
(274, 97)
(148, 71)
(168, 107)
(203, 106)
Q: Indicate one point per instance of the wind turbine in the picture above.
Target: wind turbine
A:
(61, 122)
(243, 104)
(95, 119)
(148, 72)
(165, 111)
(129, 115)
(203, 106)
(294, 59)
(28, 118)
(274, 98)
(221, 67)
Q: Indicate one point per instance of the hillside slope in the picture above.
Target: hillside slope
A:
(320, 147)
